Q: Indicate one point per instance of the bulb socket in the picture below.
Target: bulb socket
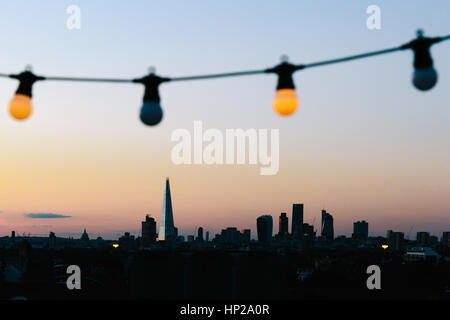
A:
(151, 83)
(26, 81)
(284, 71)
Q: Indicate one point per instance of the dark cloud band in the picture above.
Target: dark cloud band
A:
(46, 216)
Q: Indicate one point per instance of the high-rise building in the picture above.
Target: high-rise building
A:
(423, 239)
(308, 232)
(52, 240)
(127, 241)
(283, 224)
(446, 239)
(207, 236)
(395, 239)
(360, 230)
(297, 221)
(166, 227)
(230, 235)
(264, 226)
(327, 230)
(148, 231)
(245, 236)
(200, 235)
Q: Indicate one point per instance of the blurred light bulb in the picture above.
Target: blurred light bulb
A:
(285, 102)
(151, 113)
(20, 106)
(424, 79)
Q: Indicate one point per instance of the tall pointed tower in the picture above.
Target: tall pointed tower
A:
(166, 227)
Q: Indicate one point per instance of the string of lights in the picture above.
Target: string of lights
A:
(285, 102)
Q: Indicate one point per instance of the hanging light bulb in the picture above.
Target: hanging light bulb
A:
(20, 106)
(151, 112)
(424, 76)
(286, 101)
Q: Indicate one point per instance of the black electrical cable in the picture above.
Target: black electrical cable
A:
(240, 73)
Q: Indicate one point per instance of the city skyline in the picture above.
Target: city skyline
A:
(295, 222)
(364, 144)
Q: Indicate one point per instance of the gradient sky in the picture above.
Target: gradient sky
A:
(364, 145)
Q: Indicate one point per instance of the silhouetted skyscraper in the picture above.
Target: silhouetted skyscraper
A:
(166, 227)
(148, 231)
(283, 224)
(297, 221)
(395, 239)
(245, 236)
(360, 230)
(327, 226)
(200, 234)
(423, 239)
(264, 226)
(52, 240)
(446, 239)
(308, 232)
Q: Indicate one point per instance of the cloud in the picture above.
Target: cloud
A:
(46, 216)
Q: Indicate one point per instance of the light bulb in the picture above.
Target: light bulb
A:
(20, 106)
(151, 113)
(285, 102)
(424, 79)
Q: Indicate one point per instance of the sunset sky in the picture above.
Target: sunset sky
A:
(365, 144)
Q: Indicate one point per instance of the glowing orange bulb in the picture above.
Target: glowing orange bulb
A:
(20, 107)
(285, 102)
(115, 245)
(385, 246)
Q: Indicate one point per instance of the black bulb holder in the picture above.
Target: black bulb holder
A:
(151, 83)
(284, 70)
(26, 81)
(421, 48)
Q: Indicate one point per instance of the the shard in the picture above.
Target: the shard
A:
(166, 227)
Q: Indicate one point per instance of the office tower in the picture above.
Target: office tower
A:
(127, 241)
(207, 236)
(398, 240)
(360, 230)
(52, 240)
(85, 236)
(176, 231)
(166, 227)
(283, 224)
(245, 236)
(230, 235)
(13, 237)
(327, 226)
(148, 231)
(297, 221)
(423, 239)
(446, 239)
(200, 234)
(308, 232)
(395, 239)
(264, 226)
